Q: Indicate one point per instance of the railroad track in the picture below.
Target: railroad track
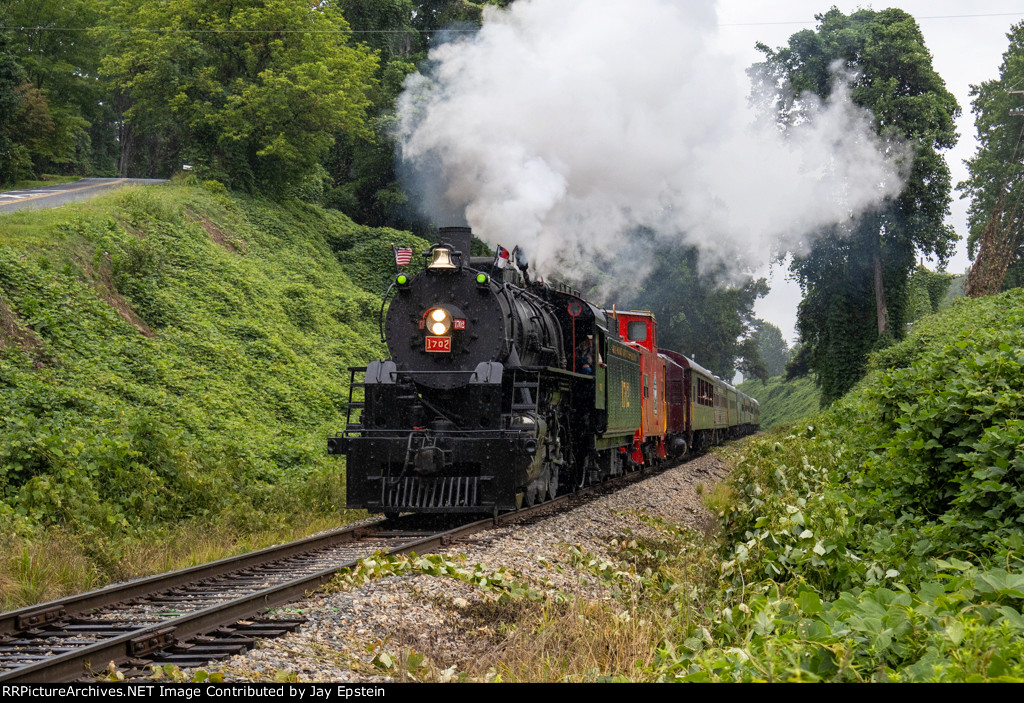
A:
(197, 615)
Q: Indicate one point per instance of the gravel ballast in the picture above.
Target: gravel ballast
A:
(382, 618)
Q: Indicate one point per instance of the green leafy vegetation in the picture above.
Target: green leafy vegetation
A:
(926, 291)
(56, 115)
(175, 354)
(252, 92)
(263, 95)
(995, 182)
(884, 540)
(771, 348)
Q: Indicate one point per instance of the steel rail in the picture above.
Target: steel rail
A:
(121, 648)
(71, 665)
(35, 615)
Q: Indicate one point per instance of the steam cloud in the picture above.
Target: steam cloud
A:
(563, 125)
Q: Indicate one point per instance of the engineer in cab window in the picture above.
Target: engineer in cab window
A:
(585, 356)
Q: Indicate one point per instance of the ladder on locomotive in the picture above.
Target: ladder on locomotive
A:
(525, 391)
(354, 387)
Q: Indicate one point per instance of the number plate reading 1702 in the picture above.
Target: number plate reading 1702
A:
(439, 344)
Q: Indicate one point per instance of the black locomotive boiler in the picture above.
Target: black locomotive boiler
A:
(472, 412)
(502, 392)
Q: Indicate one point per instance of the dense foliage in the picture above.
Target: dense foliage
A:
(854, 277)
(926, 292)
(176, 353)
(267, 95)
(365, 184)
(253, 92)
(996, 174)
(64, 114)
(885, 541)
(771, 347)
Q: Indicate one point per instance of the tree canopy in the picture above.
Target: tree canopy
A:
(67, 125)
(996, 176)
(13, 153)
(854, 276)
(365, 184)
(252, 90)
(771, 347)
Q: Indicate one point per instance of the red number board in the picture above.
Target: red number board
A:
(439, 344)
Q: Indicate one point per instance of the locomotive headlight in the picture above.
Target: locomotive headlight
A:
(439, 321)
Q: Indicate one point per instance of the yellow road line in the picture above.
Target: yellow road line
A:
(62, 192)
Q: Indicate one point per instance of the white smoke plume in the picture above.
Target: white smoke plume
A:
(563, 125)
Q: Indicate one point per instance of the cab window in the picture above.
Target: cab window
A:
(636, 331)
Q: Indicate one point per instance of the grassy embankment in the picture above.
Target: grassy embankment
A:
(783, 401)
(172, 360)
(882, 540)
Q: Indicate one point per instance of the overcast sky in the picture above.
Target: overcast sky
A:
(966, 40)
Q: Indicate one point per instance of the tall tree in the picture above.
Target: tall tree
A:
(366, 186)
(362, 168)
(61, 61)
(771, 347)
(253, 91)
(26, 122)
(14, 160)
(996, 180)
(854, 277)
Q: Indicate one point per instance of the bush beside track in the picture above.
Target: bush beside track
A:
(176, 354)
(884, 539)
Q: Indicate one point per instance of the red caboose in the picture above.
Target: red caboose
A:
(639, 330)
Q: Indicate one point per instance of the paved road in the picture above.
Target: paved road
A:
(52, 196)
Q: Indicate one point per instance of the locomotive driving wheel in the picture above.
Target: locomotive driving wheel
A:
(545, 486)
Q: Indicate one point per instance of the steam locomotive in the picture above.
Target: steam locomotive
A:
(502, 392)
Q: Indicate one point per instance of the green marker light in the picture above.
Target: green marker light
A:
(402, 279)
(481, 278)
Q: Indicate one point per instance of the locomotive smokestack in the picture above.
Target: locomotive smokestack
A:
(459, 237)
